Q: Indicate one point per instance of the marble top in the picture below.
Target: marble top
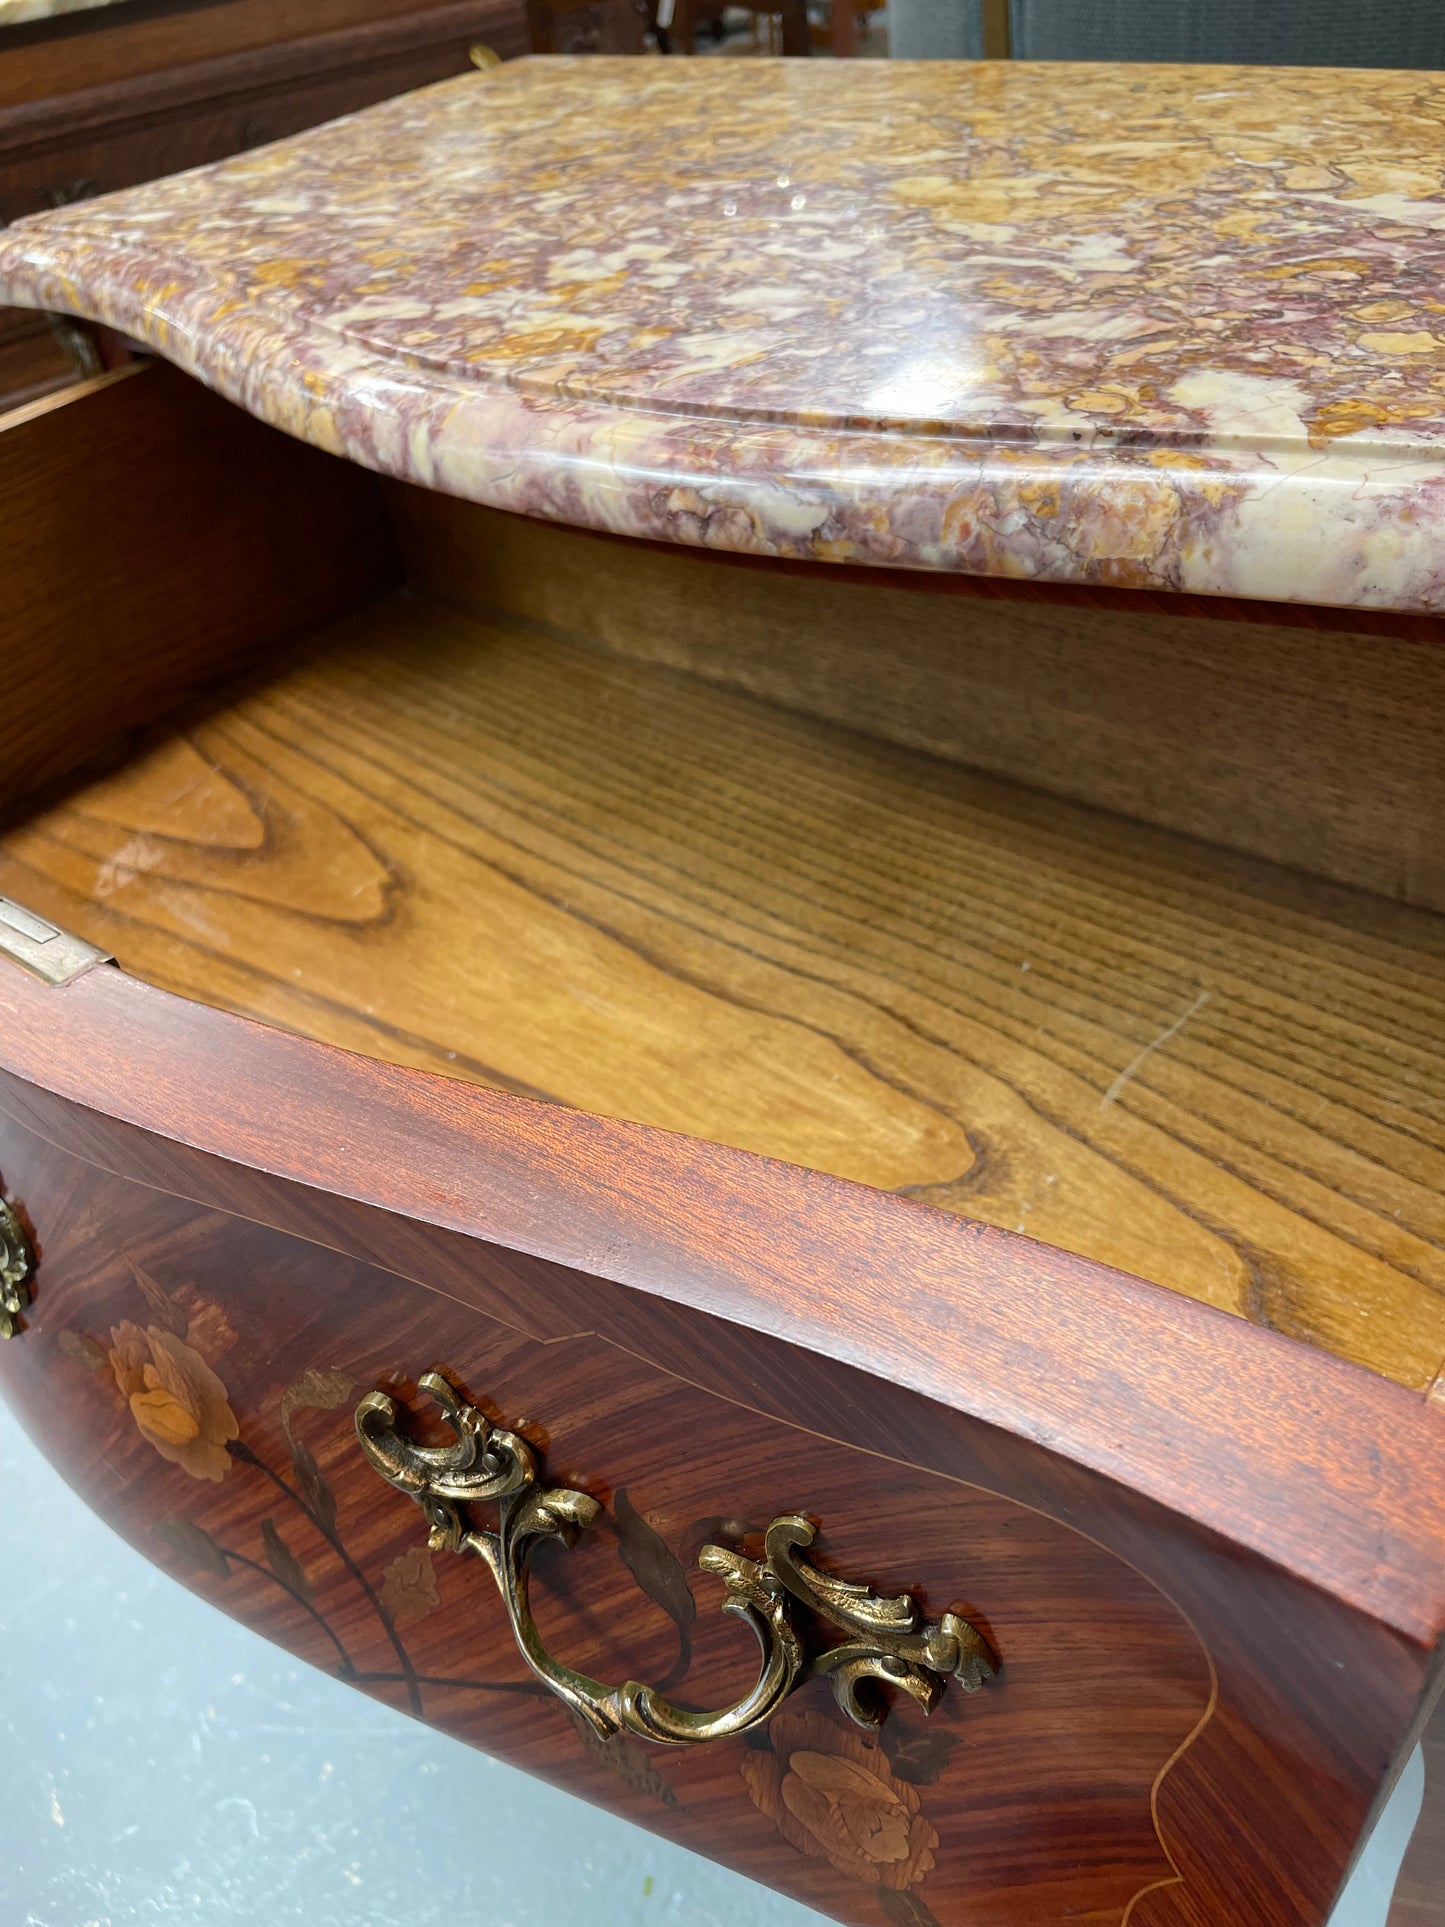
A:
(1153, 327)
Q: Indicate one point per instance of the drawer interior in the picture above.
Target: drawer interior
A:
(491, 842)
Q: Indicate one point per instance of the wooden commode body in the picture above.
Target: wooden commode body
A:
(723, 845)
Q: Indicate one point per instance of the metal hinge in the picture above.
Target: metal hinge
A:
(51, 953)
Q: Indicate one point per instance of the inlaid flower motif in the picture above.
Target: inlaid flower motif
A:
(409, 1585)
(830, 1794)
(176, 1400)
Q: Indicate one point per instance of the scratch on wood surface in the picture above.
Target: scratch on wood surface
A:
(1149, 1049)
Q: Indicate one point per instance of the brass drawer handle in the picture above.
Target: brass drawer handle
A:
(17, 1262)
(888, 1640)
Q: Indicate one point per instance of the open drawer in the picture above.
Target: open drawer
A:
(589, 972)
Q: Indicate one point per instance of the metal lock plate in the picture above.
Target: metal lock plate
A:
(52, 954)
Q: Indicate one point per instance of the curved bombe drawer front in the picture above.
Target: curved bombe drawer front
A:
(197, 1376)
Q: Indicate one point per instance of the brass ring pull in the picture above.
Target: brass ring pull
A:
(886, 1640)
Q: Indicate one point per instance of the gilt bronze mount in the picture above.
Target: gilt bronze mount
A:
(886, 1641)
(17, 1261)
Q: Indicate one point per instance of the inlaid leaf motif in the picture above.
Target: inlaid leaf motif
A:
(659, 1572)
(193, 1548)
(919, 1758)
(185, 1314)
(626, 1759)
(283, 1561)
(207, 1328)
(905, 1909)
(409, 1585)
(81, 1350)
(314, 1484)
(315, 1391)
(164, 1309)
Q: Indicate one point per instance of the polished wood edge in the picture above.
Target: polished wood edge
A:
(71, 392)
(1332, 1474)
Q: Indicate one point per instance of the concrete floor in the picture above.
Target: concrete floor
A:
(162, 1765)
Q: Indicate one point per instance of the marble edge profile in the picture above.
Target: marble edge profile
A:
(1338, 527)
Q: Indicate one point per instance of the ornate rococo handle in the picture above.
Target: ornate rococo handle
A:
(887, 1640)
(17, 1262)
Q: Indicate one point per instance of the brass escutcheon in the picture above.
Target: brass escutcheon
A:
(886, 1641)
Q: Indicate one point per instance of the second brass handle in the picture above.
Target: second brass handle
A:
(886, 1641)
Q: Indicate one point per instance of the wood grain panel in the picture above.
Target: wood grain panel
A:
(152, 540)
(32, 360)
(1311, 746)
(1258, 1812)
(473, 849)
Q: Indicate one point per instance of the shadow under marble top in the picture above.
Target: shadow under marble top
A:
(1152, 327)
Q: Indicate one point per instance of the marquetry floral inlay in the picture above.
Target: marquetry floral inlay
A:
(177, 1401)
(409, 1585)
(833, 1795)
(167, 1372)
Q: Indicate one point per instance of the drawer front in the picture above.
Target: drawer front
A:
(32, 360)
(1185, 1730)
(196, 1375)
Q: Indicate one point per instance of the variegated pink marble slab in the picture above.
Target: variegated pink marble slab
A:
(1158, 327)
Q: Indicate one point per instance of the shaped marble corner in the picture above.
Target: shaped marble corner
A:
(1151, 328)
